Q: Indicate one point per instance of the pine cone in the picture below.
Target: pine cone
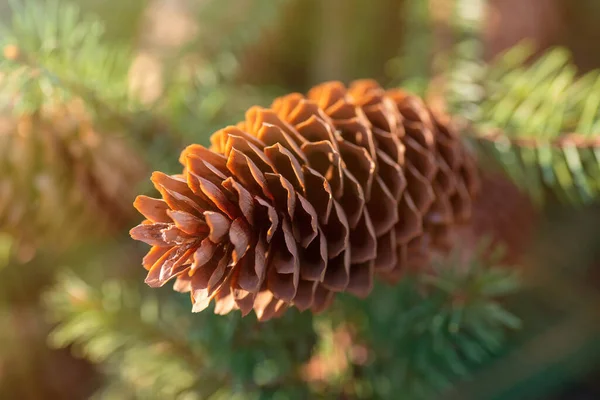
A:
(307, 199)
(58, 174)
(506, 215)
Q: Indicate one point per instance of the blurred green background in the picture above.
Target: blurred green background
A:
(96, 94)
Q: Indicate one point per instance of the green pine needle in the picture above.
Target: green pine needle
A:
(430, 331)
(60, 54)
(155, 348)
(528, 108)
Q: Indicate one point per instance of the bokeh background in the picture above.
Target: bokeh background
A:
(69, 172)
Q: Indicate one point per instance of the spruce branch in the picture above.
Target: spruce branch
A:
(541, 122)
(131, 333)
(151, 348)
(51, 45)
(544, 100)
(25, 64)
(434, 328)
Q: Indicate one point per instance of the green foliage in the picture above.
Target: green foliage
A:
(564, 171)
(541, 122)
(543, 100)
(421, 336)
(430, 330)
(63, 54)
(208, 99)
(60, 54)
(153, 347)
(413, 67)
(466, 67)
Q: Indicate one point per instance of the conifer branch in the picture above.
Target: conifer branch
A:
(541, 123)
(26, 63)
(130, 332)
(452, 322)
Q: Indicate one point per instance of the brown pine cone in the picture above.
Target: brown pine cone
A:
(306, 199)
(506, 215)
(59, 174)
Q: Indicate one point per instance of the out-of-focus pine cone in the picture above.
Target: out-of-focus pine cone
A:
(61, 180)
(307, 199)
(506, 215)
